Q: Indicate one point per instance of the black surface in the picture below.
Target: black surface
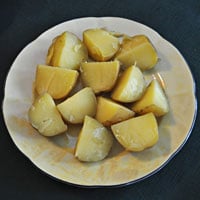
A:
(22, 21)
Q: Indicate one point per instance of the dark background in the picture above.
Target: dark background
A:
(22, 21)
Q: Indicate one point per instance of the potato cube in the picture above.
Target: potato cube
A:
(56, 81)
(137, 134)
(137, 49)
(101, 44)
(94, 141)
(67, 51)
(76, 107)
(45, 117)
(130, 86)
(110, 112)
(154, 100)
(100, 76)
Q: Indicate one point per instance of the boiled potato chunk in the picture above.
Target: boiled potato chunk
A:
(154, 100)
(130, 86)
(137, 134)
(110, 112)
(100, 76)
(137, 49)
(94, 141)
(74, 108)
(67, 51)
(56, 81)
(45, 117)
(101, 44)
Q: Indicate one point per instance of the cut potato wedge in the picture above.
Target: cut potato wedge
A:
(137, 49)
(137, 134)
(56, 81)
(154, 100)
(76, 107)
(67, 51)
(45, 117)
(130, 86)
(100, 76)
(94, 141)
(110, 112)
(101, 45)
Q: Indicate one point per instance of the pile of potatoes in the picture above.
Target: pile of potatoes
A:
(114, 100)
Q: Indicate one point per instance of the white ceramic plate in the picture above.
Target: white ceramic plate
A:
(54, 156)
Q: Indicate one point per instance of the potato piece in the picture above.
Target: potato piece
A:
(130, 87)
(58, 82)
(109, 112)
(94, 141)
(101, 45)
(67, 51)
(100, 76)
(77, 106)
(154, 100)
(137, 49)
(137, 134)
(45, 117)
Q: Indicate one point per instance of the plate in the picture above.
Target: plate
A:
(54, 156)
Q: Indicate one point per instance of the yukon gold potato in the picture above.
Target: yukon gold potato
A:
(130, 86)
(74, 108)
(100, 76)
(101, 44)
(44, 116)
(137, 49)
(110, 112)
(154, 100)
(67, 51)
(94, 141)
(137, 134)
(56, 81)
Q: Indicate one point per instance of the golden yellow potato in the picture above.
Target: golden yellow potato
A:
(100, 76)
(94, 141)
(56, 81)
(44, 116)
(101, 44)
(74, 108)
(130, 86)
(154, 100)
(67, 51)
(137, 49)
(137, 134)
(110, 112)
